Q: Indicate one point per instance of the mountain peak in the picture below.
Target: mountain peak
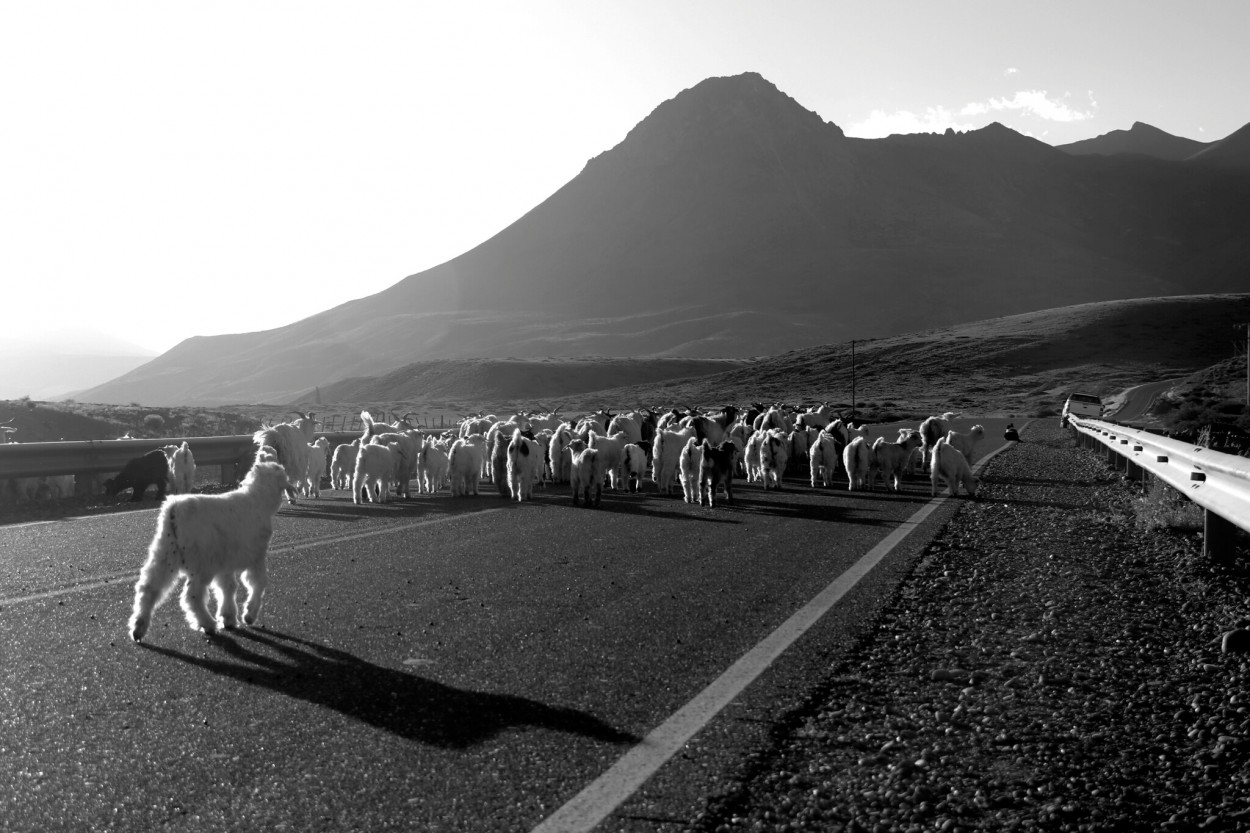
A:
(1141, 139)
(733, 103)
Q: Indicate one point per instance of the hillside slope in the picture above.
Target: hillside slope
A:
(1014, 364)
(513, 379)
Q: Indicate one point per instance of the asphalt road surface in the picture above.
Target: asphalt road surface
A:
(432, 664)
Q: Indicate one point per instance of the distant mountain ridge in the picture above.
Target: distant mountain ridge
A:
(1141, 139)
(733, 222)
(59, 363)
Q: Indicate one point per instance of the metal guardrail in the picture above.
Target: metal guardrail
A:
(88, 458)
(1218, 482)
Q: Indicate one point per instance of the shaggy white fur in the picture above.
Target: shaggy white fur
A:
(213, 540)
(858, 461)
(525, 466)
(690, 469)
(181, 468)
(950, 468)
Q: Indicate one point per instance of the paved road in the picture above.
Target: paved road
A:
(436, 664)
(1139, 400)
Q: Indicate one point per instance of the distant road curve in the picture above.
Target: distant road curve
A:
(1139, 400)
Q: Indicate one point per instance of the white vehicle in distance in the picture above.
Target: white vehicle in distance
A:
(1083, 405)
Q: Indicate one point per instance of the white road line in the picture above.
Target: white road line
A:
(104, 580)
(607, 792)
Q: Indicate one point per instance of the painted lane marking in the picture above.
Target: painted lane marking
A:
(96, 582)
(602, 796)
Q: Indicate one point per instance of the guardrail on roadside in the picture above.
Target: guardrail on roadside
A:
(87, 458)
(1218, 482)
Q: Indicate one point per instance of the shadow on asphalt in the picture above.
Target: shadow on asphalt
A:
(404, 704)
(806, 511)
(653, 509)
(351, 512)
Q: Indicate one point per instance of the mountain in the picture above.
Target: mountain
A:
(1231, 152)
(1140, 139)
(733, 222)
(61, 363)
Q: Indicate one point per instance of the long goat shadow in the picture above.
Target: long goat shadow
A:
(404, 704)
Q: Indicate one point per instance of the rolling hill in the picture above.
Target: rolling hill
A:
(733, 222)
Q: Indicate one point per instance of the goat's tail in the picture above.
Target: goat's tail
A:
(159, 575)
(368, 430)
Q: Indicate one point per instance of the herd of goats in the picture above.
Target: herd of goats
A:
(700, 453)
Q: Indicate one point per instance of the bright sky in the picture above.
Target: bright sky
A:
(219, 166)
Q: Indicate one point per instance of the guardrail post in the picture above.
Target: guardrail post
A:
(1218, 536)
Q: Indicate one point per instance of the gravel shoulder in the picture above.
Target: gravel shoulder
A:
(1047, 665)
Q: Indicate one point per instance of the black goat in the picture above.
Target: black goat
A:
(139, 473)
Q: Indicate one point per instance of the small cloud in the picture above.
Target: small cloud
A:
(1010, 71)
(880, 123)
(1031, 102)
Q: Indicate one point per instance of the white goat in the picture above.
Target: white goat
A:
(774, 454)
(408, 441)
(375, 469)
(612, 456)
(214, 540)
(290, 440)
(949, 466)
(690, 469)
(630, 424)
(966, 441)
(666, 457)
(751, 457)
(738, 434)
(773, 419)
(587, 474)
(479, 424)
(635, 466)
(857, 459)
(892, 458)
(181, 468)
(824, 457)
(543, 438)
(559, 459)
(525, 465)
(465, 464)
(311, 486)
(816, 418)
(343, 463)
(433, 468)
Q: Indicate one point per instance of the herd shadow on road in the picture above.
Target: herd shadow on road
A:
(404, 704)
